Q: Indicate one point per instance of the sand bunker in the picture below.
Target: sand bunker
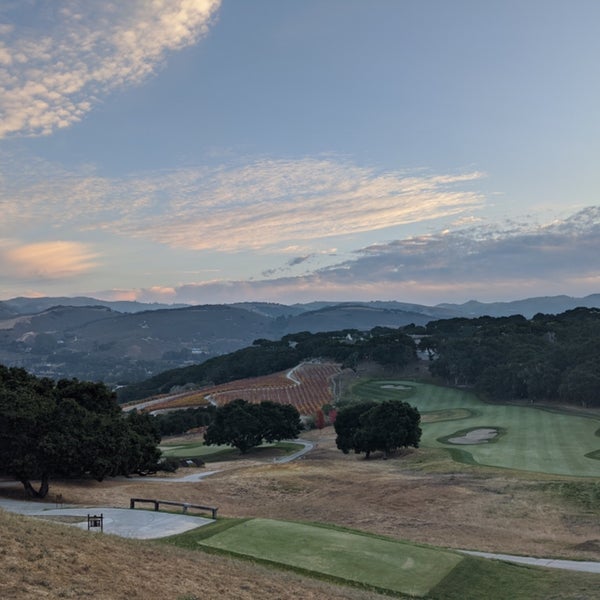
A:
(477, 436)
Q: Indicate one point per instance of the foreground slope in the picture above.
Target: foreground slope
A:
(47, 560)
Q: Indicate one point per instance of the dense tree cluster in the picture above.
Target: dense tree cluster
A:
(68, 428)
(390, 347)
(550, 357)
(175, 422)
(377, 426)
(244, 425)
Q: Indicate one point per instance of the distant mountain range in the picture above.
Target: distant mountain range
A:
(121, 342)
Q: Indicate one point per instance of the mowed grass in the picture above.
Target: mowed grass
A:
(367, 560)
(533, 439)
(382, 564)
(197, 449)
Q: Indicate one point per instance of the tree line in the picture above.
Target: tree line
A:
(548, 357)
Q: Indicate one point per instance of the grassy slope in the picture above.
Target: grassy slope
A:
(535, 440)
(41, 560)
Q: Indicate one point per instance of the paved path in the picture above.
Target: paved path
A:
(307, 447)
(569, 565)
(139, 524)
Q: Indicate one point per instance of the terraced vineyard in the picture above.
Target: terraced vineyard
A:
(307, 387)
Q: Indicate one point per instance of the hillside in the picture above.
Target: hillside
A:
(419, 495)
(98, 343)
(48, 560)
(124, 342)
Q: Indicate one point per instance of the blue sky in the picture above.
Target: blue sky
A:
(202, 151)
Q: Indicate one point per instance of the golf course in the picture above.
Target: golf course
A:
(524, 438)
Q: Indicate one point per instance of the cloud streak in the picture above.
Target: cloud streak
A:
(230, 208)
(85, 50)
(486, 262)
(46, 260)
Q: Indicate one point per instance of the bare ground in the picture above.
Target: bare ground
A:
(420, 496)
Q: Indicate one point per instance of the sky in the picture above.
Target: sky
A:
(218, 151)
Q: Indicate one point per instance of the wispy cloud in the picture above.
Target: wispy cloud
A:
(54, 71)
(486, 262)
(46, 260)
(258, 205)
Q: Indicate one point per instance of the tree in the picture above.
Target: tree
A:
(244, 425)
(347, 425)
(279, 421)
(369, 426)
(68, 429)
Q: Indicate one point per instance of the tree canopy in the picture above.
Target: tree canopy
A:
(68, 428)
(244, 425)
(377, 426)
(549, 357)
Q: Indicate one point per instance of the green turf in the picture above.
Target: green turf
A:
(195, 450)
(362, 559)
(208, 453)
(533, 439)
(387, 565)
(483, 579)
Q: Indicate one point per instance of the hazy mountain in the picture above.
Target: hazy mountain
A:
(35, 305)
(352, 316)
(528, 307)
(6, 312)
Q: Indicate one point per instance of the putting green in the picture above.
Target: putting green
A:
(533, 439)
(369, 560)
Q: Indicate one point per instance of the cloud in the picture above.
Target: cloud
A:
(46, 260)
(263, 204)
(54, 72)
(298, 260)
(487, 262)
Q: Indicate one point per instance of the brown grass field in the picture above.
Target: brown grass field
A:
(419, 495)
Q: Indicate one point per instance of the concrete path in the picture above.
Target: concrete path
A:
(569, 565)
(139, 524)
(307, 447)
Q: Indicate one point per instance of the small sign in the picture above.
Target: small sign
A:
(96, 522)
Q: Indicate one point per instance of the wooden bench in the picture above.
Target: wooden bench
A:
(184, 505)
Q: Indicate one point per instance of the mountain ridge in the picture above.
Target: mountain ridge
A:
(95, 341)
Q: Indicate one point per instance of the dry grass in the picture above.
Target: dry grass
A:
(421, 496)
(43, 560)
